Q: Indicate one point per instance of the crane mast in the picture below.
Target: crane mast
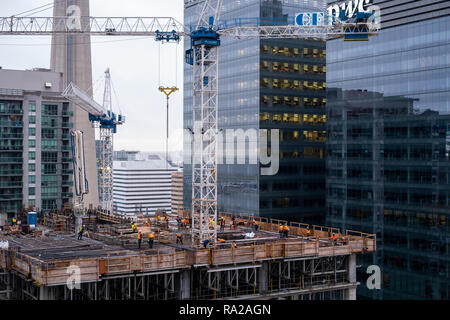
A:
(106, 158)
(205, 57)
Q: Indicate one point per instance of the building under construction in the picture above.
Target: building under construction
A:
(253, 260)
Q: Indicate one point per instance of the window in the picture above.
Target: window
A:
(31, 131)
(31, 167)
(32, 119)
(32, 155)
(50, 109)
(31, 191)
(31, 179)
(32, 143)
(32, 107)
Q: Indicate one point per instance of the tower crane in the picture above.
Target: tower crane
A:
(107, 120)
(203, 56)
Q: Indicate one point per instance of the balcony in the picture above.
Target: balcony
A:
(67, 125)
(11, 172)
(11, 148)
(11, 160)
(11, 196)
(11, 123)
(67, 113)
(17, 184)
(11, 136)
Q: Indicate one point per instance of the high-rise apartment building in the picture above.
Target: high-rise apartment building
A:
(269, 84)
(35, 158)
(388, 164)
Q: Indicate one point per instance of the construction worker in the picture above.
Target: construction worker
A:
(234, 244)
(308, 232)
(334, 237)
(133, 227)
(166, 218)
(80, 233)
(286, 231)
(233, 223)
(179, 238)
(14, 221)
(151, 237)
(222, 224)
(139, 239)
(255, 225)
(221, 241)
(212, 224)
(280, 230)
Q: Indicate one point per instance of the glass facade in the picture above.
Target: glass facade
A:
(269, 84)
(388, 143)
(35, 154)
(11, 160)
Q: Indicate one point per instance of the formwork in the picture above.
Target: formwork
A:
(262, 267)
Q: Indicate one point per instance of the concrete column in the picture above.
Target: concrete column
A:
(263, 274)
(184, 291)
(350, 294)
(45, 293)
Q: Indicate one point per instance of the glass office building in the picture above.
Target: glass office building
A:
(269, 84)
(388, 144)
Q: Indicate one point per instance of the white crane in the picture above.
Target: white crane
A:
(107, 121)
(203, 55)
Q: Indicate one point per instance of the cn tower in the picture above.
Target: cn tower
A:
(71, 55)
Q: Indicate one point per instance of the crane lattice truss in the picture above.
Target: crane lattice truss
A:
(124, 26)
(106, 158)
(152, 27)
(204, 58)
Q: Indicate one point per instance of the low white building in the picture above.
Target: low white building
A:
(142, 184)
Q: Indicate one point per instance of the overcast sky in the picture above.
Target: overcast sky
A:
(134, 69)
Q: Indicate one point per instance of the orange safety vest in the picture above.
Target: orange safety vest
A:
(178, 235)
(285, 228)
(308, 232)
(151, 235)
(158, 217)
(221, 240)
(255, 223)
(139, 236)
(280, 228)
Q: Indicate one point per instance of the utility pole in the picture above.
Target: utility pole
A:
(167, 91)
